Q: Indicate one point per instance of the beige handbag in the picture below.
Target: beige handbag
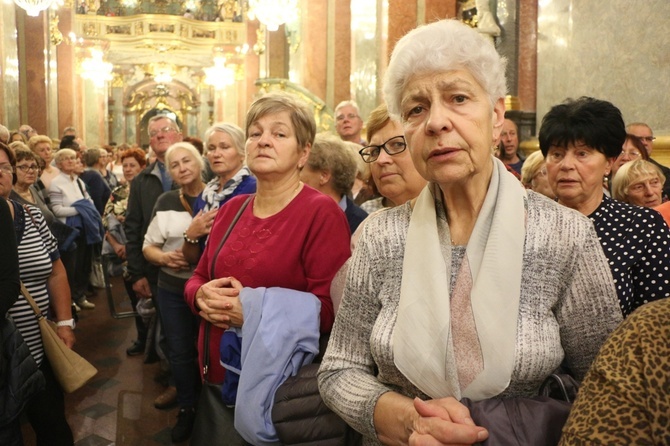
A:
(71, 370)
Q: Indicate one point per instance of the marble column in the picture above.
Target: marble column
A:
(65, 81)
(9, 66)
(32, 32)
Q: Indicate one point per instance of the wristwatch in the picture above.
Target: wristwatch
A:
(66, 323)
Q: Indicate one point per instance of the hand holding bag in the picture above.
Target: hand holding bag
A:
(527, 421)
(71, 370)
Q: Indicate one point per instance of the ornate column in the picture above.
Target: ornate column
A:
(65, 79)
(31, 34)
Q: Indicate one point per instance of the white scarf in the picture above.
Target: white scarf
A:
(213, 198)
(422, 344)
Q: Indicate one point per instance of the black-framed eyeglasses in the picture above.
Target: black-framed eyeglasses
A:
(393, 146)
(28, 168)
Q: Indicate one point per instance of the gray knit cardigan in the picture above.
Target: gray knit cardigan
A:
(568, 306)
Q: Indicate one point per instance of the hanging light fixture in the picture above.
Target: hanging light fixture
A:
(273, 13)
(96, 69)
(219, 76)
(34, 7)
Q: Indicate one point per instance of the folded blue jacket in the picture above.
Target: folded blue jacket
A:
(89, 220)
(280, 334)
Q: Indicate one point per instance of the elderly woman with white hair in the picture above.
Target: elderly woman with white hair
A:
(640, 183)
(225, 153)
(463, 292)
(163, 240)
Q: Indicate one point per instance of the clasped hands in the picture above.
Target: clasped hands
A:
(219, 302)
(444, 421)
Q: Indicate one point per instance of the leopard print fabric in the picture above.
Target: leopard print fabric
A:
(625, 397)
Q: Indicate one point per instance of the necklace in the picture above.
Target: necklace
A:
(286, 202)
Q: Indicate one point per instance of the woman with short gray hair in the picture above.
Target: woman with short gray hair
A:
(461, 292)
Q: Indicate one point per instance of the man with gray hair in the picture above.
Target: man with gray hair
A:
(145, 189)
(4, 134)
(348, 122)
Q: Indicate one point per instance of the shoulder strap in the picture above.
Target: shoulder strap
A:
(225, 236)
(208, 326)
(31, 301)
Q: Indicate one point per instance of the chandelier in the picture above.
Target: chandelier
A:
(273, 13)
(96, 69)
(34, 7)
(219, 76)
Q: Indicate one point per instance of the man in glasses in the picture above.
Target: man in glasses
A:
(646, 135)
(348, 122)
(145, 189)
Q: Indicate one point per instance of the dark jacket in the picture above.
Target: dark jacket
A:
(20, 378)
(355, 215)
(144, 192)
(666, 172)
(301, 417)
(97, 187)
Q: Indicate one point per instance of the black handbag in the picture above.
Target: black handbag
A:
(215, 422)
(527, 421)
(20, 377)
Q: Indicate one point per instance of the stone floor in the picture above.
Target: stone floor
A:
(116, 406)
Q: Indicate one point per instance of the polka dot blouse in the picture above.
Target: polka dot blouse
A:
(636, 242)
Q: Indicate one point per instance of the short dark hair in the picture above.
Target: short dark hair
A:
(67, 142)
(594, 122)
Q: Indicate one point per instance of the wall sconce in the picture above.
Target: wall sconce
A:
(55, 36)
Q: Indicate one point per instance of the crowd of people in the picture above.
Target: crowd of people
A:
(423, 261)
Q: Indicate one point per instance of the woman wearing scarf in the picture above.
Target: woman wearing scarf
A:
(225, 155)
(476, 289)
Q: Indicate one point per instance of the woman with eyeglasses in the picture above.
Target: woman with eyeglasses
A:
(633, 149)
(24, 190)
(391, 167)
(42, 272)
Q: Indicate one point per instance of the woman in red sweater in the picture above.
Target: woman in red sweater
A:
(289, 235)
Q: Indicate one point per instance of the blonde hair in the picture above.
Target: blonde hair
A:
(631, 172)
(37, 139)
(531, 166)
(190, 148)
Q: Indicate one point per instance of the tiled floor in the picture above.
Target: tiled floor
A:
(116, 406)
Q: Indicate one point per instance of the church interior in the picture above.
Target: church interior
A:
(106, 67)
